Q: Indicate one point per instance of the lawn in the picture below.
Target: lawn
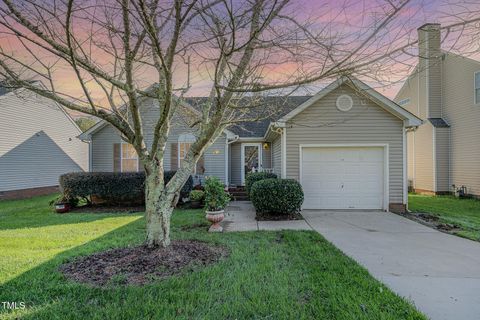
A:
(462, 212)
(268, 275)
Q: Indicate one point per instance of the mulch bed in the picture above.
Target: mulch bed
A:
(432, 222)
(141, 265)
(277, 217)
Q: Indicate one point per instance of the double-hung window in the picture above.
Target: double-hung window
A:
(129, 158)
(184, 143)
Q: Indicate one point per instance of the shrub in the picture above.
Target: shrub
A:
(277, 196)
(253, 177)
(112, 187)
(216, 198)
(197, 195)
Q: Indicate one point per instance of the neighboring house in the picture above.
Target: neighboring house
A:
(346, 145)
(444, 91)
(38, 142)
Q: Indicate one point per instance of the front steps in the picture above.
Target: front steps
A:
(238, 193)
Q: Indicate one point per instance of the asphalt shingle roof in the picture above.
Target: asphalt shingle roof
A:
(267, 109)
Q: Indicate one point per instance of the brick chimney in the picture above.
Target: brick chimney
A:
(430, 70)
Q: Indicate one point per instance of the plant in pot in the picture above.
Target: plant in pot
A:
(196, 198)
(216, 199)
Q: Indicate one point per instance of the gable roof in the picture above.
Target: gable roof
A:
(369, 92)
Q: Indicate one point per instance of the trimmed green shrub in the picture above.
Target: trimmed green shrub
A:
(253, 177)
(277, 196)
(197, 195)
(112, 187)
(216, 198)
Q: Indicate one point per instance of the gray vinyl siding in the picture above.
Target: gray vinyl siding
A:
(363, 124)
(442, 157)
(267, 156)
(463, 116)
(102, 148)
(277, 156)
(38, 142)
(103, 140)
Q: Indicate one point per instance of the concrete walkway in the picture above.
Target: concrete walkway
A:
(439, 273)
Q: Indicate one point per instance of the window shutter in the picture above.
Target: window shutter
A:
(201, 165)
(117, 160)
(174, 156)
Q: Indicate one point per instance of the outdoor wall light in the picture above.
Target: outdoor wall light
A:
(266, 146)
(216, 151)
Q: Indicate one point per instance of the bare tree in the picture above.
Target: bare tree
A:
(123, 52)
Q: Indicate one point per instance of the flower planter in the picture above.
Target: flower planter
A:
(62, 207)
(215, 217)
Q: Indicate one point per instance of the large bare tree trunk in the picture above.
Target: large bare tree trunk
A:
(158, 209)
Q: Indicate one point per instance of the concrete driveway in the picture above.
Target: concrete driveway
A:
(439, 273)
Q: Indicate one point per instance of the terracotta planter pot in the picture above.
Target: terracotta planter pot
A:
(215, 217)
(62, 207)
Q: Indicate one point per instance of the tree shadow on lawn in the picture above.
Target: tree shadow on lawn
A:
(36, 213)
(288, 274)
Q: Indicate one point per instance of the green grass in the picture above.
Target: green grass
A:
(462, 212)
(268, 275)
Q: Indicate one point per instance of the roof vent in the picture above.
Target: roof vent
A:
(344, 103)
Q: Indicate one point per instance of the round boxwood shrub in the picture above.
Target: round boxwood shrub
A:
(277, 196)
(253, 177)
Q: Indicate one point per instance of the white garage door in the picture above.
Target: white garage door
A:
(343, 178)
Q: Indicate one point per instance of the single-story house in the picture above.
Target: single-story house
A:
(346, 145)
(38, 143)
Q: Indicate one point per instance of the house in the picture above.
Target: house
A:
(444, 91)
(38, 143)
(346, 145)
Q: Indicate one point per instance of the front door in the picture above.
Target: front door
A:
(251, 158)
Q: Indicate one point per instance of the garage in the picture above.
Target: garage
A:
(344, 177)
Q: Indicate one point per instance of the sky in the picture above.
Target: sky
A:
(347, 22)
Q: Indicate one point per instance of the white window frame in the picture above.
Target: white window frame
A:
(475, 88)
(186, 138)
(121, 157)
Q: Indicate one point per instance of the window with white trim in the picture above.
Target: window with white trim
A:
(477, 87)
(184, 143)
(129, 158)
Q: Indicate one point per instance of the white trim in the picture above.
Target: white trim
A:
(284, 153)
(386, 164)
(405, 166)
(90, 156)
(242, 158)
(382, 101)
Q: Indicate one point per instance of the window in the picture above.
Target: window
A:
(184, 143)
(129, 158)
(477, 87)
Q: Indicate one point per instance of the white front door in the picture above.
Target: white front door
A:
(343, 177)
(251, 157)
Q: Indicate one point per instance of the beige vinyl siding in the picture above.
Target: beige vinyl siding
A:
(363, 124)
(38, 142)
(235, 163)
(423, 144)
(463, 116)
(277, 156)
(442, 157)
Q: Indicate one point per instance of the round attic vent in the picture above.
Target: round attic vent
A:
(344, 103)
